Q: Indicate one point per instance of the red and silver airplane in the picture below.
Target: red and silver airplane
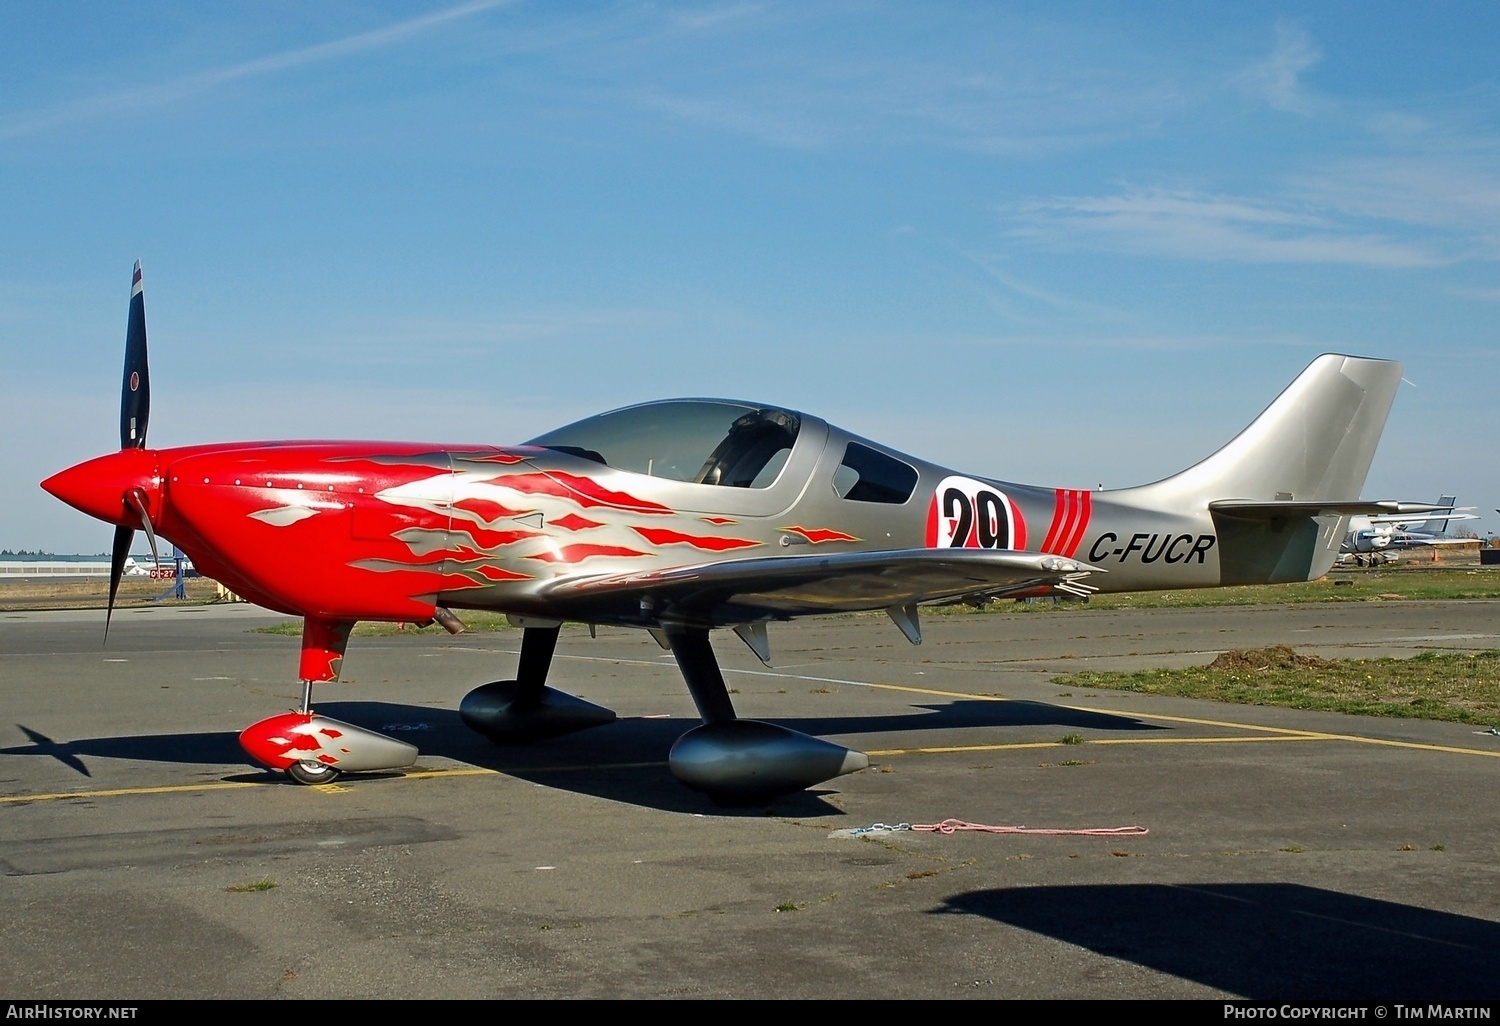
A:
(684, 516)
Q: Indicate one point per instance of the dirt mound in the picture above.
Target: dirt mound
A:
(1277, 657)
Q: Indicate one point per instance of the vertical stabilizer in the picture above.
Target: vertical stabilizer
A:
(1313, 444)
(1316, 441)
(1449, 501)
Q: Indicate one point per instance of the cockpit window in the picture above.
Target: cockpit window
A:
(867, 475)
(702, 441)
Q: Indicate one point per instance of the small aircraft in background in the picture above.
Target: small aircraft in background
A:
(1372, 538)
(685, 516)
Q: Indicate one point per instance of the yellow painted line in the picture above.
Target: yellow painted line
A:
(470, 771)
(1291, 733)
(951, 749)
(935, 691)
(1199, 722)
(1201, 740)
(221, 785)
(948, 750)
(333, 788)
(1420, 745)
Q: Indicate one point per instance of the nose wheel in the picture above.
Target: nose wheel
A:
(309, 772)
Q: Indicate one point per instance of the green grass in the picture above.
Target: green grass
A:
(252, 888)
(1458, 687)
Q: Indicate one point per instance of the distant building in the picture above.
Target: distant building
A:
(30, 567)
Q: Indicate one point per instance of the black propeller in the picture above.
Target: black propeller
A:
(135, 412)
(135, 389)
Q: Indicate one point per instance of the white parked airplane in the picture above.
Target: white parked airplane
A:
(1371, 538)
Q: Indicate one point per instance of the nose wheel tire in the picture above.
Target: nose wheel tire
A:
(311, 772)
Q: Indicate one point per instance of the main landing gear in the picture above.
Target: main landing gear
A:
(734, 761)
(743, 762)
(515, 712)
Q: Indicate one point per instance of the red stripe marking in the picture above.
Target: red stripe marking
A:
(500, 457)
(574, 522)
(578, 553)
(719, 520)
(667, 536)
(486, 510)
(819, 535)
(496, 573)
(1059, 515)
(1018, 524)
(1070, 502)
(493, 539)
(582, 490)
(1084, 512)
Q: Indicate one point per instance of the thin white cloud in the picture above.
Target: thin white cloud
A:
(144, 98)
(890, 103)
(1444, 192)
(1278, 79)
(1203, 227)
(796, 76)
(716, 16)
(1490, 295)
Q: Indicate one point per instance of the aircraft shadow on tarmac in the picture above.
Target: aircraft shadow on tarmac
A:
(1263, 941)
(625, 761)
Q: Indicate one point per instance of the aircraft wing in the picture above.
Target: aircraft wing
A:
(1399, 518)
(1414, 541)
(742, 590)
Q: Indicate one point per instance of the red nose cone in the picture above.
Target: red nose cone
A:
(98, 487)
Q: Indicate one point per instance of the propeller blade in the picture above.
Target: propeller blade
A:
(135, 390)
(123, 538)
(136, 499)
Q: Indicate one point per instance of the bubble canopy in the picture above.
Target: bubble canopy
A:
(701, 441)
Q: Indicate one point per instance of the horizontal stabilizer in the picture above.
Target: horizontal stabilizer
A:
(1253, 509)
(732, 591)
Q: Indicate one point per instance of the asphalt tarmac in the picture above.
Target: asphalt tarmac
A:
(1290, 855)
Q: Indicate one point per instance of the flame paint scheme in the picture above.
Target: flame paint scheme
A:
(689, 515)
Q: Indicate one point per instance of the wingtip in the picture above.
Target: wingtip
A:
(136, 283)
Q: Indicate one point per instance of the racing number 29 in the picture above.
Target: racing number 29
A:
(989, 529)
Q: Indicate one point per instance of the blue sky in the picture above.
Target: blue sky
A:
(1062, 244)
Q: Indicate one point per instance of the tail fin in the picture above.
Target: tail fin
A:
(1313, 445)
(1315, 442)
(1450, 501)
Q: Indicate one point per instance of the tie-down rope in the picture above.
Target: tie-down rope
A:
(953, 826)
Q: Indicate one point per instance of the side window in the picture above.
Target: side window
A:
(866, 475)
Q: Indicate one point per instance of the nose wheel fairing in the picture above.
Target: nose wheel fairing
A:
(313, 749)
(322, 747)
